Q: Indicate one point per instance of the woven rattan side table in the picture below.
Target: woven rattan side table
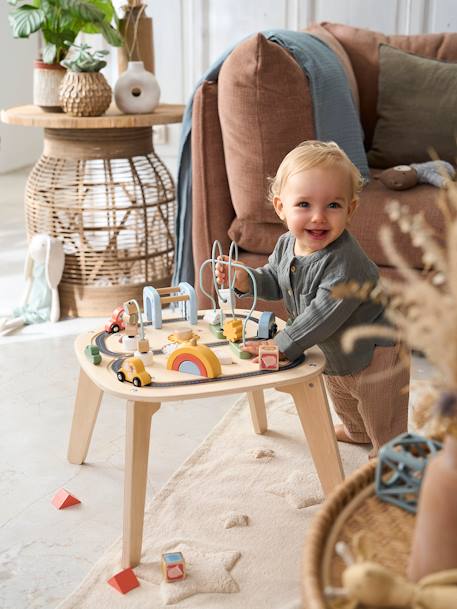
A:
(353, 507)
(100, 187)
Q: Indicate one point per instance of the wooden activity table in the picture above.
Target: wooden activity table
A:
(303, 381)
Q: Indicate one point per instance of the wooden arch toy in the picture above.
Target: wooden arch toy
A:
(154, 299)
(198, 360)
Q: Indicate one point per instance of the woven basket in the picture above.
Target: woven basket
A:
(351, 508)
(85, 93)
(111, 201)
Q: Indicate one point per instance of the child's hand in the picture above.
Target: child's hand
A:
(242, 281)
(253, 346)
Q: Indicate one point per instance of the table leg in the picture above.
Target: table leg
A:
(314, 412)
(138, 428)
(258, 411)
(87, 404)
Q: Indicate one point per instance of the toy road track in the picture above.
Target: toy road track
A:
(159, 366)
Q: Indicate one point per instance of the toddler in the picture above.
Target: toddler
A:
(315, 193)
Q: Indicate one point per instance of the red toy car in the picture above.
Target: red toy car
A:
(116, 322)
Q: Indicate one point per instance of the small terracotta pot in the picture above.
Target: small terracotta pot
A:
(85, 94)
(47, 78)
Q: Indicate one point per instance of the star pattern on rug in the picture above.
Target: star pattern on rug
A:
(300, 489)
(206, 571)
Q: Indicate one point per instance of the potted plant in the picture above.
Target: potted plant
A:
(84, 91)
(60, 22)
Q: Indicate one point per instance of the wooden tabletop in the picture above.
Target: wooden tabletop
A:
(32, 116)
(105, 378)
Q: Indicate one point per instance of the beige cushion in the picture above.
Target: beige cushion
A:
(362, 48)
(416, 109)
(265, 110)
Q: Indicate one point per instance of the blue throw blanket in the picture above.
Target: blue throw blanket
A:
(335, 118)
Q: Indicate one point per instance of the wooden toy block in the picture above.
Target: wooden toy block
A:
(63, 499)
(124, 581)
(131, 329)
(130, 307)
(146, 357)
(143, 345)
(233, 329)
(173, 566)
(236, 348)
(198, 360)
(92, 353)
(268, 357)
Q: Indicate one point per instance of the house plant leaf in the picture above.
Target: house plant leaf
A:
(26, 20)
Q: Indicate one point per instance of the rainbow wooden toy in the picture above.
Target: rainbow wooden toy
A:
(173, 566)
(124, 581)
(63, 499)
(198, 360)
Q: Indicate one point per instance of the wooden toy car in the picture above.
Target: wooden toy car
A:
(173, 566)
(116, 322)
(92, 353)
(133, 371)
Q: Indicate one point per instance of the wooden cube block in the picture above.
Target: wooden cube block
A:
(269, 357)
(233, 329)
(173, 566)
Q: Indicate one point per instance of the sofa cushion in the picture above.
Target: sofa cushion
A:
(265, 109)
(256, 237)
(371, 215)
(416, 109)
(362, 47)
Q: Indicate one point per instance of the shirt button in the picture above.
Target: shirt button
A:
(289, 292)
(293, 268)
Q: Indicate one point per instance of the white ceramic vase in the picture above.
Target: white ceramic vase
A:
(136, 90)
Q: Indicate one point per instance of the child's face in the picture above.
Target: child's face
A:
(316, 205)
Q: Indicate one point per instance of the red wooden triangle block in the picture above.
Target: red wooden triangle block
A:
(124, 581)
(63, 499)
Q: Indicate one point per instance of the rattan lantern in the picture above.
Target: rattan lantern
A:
(110, 199)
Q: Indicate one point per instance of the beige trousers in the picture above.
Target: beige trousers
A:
(374, 409)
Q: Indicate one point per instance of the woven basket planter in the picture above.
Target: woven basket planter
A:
(351, 508)
(85, 94)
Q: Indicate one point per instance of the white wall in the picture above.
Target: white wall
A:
(19, 146)
(190, 34)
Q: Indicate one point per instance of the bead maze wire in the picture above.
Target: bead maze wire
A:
(232, 263)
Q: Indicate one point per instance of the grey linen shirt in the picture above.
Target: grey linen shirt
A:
(316, 318)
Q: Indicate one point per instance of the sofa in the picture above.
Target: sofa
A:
(261, 107)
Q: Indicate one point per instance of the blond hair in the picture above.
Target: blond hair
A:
(313, 153)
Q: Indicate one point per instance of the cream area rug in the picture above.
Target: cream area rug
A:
(238, 509)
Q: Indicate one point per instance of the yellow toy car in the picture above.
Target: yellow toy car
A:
(132, 370)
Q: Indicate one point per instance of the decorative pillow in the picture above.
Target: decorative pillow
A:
(260, 88)
(256, 237)
(417, 104)
(362, 48)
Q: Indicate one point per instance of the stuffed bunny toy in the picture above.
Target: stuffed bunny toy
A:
(43, 272)
(402, 177)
